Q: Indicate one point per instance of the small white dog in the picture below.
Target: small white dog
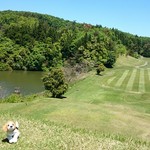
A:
(12, 131)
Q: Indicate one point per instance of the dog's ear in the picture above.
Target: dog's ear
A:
(5, 127)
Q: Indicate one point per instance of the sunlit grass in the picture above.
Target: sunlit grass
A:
(129, 61)
(94, 115)
(37, 135)
(131, 80)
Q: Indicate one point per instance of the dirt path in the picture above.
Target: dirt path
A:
(145, 64)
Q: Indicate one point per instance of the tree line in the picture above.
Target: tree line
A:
(39, 42)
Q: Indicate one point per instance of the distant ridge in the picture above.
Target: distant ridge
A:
(33, 41)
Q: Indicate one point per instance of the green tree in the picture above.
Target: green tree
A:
(55, 83)
(100, 68)
(111, 60)
(146, 52)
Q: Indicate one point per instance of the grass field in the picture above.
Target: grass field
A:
(108, 112)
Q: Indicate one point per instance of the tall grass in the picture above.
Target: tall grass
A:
(36, 135)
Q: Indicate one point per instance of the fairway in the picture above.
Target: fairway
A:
(74, 84)
(128, 80)
(108, 111)
(134, 79)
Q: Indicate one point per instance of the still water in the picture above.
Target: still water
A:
(28, 82)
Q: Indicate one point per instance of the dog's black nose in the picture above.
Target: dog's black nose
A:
(11, 126)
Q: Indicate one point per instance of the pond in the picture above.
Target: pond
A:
(27, 82)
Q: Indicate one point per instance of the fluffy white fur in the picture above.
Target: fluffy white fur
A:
(12, 131)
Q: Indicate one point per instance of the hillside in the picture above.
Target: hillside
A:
(32, 41)
(99, 112)
(107, 111)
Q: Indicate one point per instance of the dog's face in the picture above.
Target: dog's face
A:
(9, 126)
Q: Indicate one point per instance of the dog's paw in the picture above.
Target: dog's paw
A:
(13, 141)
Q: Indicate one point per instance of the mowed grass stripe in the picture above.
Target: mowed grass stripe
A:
(141, 81)
(120, 81)
(147, 80)
(131, 80)
(136, 81)
(110, 80)
(148, 73)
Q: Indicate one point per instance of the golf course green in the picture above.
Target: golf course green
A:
(110, 111)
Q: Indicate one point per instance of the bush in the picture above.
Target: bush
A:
(111, 60)
(18, 98)
(5, 67)
(55, 83)
(100, 68)
(13, 98)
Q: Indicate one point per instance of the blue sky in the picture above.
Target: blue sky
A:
(131, 16)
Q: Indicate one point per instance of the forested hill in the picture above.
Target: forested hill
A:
(32, 41)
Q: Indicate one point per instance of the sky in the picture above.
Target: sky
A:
(132, 16)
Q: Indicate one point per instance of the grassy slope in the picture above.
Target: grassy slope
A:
(95, 115)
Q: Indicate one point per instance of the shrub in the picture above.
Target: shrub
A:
(100, 68)
(55, 83)
(5, 67)
(13, 98)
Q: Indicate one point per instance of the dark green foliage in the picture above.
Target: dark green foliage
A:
(5, 67)
(100, 68)
(146, 52)
(32, 41)
(111, 60)
(55, 83)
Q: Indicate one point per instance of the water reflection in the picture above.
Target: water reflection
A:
(28, 82)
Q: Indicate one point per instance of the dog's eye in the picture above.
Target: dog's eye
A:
(8, 125)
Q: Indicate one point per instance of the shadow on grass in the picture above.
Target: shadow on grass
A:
(5, 140)
(99, 74)
(60, 97)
